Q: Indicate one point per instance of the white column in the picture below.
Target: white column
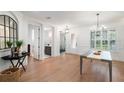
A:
(56, 42)
(68, 42)
(41, 42)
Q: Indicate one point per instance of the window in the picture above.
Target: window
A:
(8, 31)
(103, 40)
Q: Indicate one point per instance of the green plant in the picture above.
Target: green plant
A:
(9, 44)
(19, 43)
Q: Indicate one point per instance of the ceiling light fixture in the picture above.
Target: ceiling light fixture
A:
(66, 29)
(98, 27)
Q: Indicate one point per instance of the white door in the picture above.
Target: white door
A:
(34, 40)
(36, 47)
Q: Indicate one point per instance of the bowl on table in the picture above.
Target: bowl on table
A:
(97, 53)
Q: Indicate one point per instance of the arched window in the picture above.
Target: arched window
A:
(8, 31)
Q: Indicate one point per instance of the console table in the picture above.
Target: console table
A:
(20, 59)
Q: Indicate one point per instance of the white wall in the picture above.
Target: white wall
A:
(48, 37)
(82, 37)
(83, 40)
(22, 29)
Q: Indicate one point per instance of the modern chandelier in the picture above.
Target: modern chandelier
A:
(98, 27)
(66, 29)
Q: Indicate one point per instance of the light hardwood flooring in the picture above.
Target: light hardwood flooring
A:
(65, 68)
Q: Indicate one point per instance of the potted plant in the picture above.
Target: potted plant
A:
(19, 43)
(9, 44)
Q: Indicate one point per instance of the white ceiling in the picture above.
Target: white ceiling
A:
(75, 17)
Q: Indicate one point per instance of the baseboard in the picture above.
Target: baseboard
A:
(118, 61)
(73, 54)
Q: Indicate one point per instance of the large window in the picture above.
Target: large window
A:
(8, 31)
(103, 40)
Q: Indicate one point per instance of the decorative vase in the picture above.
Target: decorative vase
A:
(18, 50)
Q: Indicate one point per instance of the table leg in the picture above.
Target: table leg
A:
(12, 63)
(23, 67)
(81, 62)
(21, 63)
(110, 71)
(18, 62)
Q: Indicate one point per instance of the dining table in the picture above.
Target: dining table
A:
(103, 56)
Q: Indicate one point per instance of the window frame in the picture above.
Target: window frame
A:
(103, 40)
(14, 29)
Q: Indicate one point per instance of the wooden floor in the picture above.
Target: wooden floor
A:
(66, 68)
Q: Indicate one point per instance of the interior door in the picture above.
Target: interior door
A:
(37, 42)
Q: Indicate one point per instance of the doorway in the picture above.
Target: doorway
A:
(48, 42)
(34, 40)
(62, 43)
